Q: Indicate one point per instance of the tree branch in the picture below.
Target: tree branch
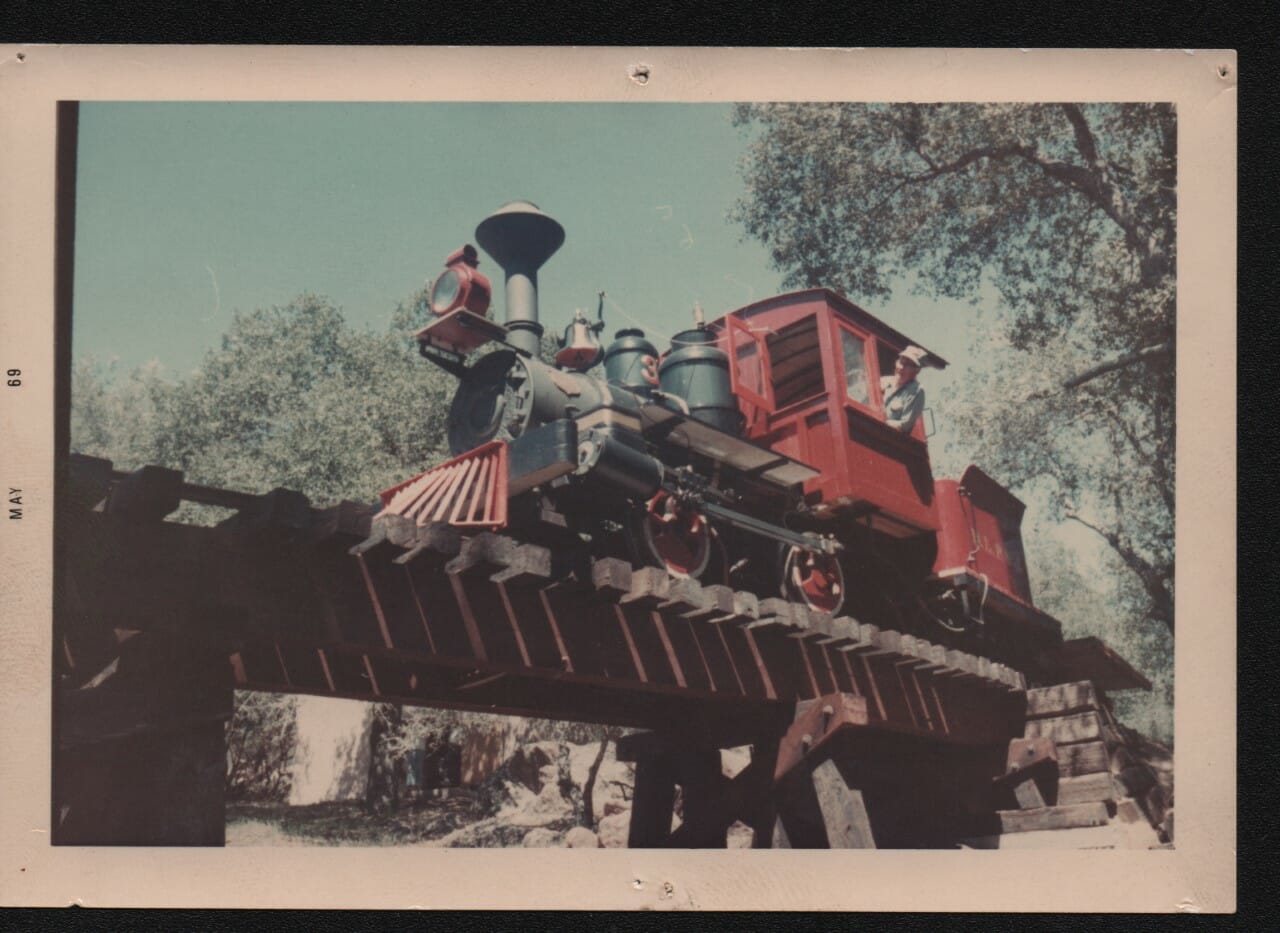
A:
(1093, 182)
(1084, 136)
(1108, 365)
(1153, 461)
(1150, 576)
(1119, 361)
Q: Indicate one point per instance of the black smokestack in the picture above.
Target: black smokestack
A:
(520, 238)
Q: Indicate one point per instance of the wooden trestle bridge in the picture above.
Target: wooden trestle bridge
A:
(859, 736)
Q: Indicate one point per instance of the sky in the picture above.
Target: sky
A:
(188, 211)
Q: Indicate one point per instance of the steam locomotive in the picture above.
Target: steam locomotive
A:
(753, 452)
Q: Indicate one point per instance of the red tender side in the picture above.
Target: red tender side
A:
(981, 532)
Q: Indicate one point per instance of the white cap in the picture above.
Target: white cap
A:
(913, 355)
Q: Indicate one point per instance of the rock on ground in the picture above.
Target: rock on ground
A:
(614, 830)
(581, 838)
(540, 838)
(739, 836)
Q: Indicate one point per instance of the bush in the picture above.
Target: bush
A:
(261, 737)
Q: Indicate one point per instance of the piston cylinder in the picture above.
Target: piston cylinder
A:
(606, 459)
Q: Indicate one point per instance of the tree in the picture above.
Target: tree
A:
(261, 736)
(293, 397)
(1068, 213)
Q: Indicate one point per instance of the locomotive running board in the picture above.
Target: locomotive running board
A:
(742, 455)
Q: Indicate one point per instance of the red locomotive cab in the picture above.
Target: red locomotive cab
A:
(806, 370)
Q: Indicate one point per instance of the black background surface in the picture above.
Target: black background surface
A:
(1142, 24)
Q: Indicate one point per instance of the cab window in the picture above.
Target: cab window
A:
(795, 362)
(856, 378)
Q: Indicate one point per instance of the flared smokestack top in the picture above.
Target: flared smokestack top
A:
(520, 238)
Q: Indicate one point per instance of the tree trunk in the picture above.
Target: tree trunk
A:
(386, 769)
(588, 790)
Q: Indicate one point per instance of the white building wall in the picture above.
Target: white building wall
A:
(331, 759)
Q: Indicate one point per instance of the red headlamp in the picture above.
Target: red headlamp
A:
(461, 285)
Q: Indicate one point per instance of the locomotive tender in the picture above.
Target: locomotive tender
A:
(754, 453)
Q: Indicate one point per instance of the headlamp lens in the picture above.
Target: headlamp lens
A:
(445, 291)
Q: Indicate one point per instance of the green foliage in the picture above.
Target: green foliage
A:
(116, 417)
(1086, 603)
(294, 397)
(1068, 212)
(261, 737)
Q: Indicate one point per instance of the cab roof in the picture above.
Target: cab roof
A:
(846, 309)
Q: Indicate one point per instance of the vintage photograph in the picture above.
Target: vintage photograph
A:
(676, 475)
(626, 474)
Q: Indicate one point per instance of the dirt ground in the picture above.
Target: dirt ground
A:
(458, 819)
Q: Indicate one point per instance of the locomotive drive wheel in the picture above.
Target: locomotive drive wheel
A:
(817, 580)
(675, 537)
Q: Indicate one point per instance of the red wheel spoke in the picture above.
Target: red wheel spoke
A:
(816, 579)
(677, 537)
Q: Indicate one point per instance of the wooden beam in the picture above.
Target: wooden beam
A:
(844, 813)
(652, 803)
(1061, 699)
(1061, 817)
(1079, 727)
(1086, 788)
(1082, 758)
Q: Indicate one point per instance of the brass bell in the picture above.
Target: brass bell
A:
(580, 348)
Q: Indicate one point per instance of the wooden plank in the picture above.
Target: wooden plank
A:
(693, 665)
(655, 658)
(350, 673)
(483, 608)
(377, 601)
(303, 666)
(1080, 727)
(601, 621)
(433, 594)
(1090, 659)
(611, 580)
(624, 628)
(781, 661)
(1082, 758)
(580, 636)
(844, 813)
(705, 792)
(1061, 817)
(668, 648)
(1086, 788)
(1028, 795)
(537, 630)
(1083, 837)
(868, 686)
(652, 803)
(823, 677)
(929, 684)
(747, 661)
(715, 655)
(341, 582)
(262, 664)
(1061, 699)
(888, 689)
